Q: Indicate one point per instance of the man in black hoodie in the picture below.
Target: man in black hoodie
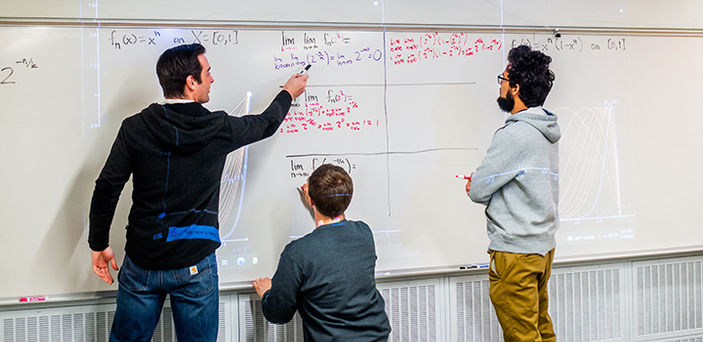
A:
(175, 152)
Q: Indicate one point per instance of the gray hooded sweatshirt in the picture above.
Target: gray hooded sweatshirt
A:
(519, 182)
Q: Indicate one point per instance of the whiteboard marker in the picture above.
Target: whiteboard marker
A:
(473, 267)
(307, 67)
(463, 177)
(33, 299)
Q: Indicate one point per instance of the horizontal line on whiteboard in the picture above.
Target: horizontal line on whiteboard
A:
(382, 153)
(595, 218)
(236, 240)
(391, 84)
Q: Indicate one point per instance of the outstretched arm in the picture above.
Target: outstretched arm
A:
(252, 128)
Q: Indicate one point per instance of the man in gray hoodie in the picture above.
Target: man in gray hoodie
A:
(518, 181)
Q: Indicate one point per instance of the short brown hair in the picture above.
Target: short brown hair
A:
(330, 189)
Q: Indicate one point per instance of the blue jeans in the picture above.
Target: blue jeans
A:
(141, 295)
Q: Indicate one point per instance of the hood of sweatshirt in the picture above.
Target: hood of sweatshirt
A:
(186, 127)
(541, 119)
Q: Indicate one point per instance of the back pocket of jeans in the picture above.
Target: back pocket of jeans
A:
(201, 283)
(133, 277)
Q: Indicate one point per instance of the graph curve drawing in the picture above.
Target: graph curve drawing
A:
(590, 182)
(233, 182)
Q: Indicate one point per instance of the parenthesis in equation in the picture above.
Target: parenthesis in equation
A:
(580, 44)
(427, 40)
(348, 166)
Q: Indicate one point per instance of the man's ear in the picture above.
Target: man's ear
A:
(515, 90)
(190, 82)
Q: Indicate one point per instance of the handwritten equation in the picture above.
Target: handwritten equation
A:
(303, 167)
(310, 41)
(329, 49)
(572, 44)
(122, 39)
(336, 111)
(7, 73)
(326, 57)
(414, 48)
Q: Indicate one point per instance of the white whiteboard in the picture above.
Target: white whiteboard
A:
(418, 108)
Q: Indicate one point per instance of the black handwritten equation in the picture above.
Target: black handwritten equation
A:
(572, 44)
(324, 48)
(303, 167)
(309, 41)
(326, 57)
(122, 39)
(7, 72)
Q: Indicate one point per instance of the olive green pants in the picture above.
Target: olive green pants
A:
(518, 291)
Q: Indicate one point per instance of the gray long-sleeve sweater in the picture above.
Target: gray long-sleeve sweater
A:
(519, 182)
(328, 277)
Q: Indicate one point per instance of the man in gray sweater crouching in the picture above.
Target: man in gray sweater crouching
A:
(328, 274)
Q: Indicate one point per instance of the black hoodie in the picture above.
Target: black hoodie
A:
(176, 153)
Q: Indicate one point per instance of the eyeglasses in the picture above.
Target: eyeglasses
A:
(501, 79)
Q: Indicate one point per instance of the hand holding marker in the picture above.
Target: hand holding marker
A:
(302, 72)
(468, 181)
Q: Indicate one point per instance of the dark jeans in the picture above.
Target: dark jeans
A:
(141, 295)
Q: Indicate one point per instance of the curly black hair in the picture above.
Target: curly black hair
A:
(530, 69)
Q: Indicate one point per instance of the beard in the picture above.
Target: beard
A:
(506, 103)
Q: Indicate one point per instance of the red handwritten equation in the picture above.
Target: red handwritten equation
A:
(336, 112)
(415, 48)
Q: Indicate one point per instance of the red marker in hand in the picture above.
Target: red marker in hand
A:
(468, 183)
